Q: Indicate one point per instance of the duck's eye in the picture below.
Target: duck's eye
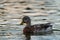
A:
(25, 19)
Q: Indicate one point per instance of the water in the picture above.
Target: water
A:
(11, 30)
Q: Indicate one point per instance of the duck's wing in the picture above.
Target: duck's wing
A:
(47, 25)
(42, 26)
(38, 26)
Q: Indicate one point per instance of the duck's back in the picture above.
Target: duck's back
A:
(42, 29)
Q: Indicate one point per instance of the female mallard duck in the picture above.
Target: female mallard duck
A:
(37, 29)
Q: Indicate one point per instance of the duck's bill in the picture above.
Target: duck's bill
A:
(21, 23)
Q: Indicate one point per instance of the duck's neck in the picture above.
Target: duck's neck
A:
(28, 24)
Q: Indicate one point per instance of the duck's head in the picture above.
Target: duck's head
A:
(25, 20)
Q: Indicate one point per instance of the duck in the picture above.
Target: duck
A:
(37, 29)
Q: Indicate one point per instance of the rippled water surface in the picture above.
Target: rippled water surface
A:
(11, 30)
(14, 31)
